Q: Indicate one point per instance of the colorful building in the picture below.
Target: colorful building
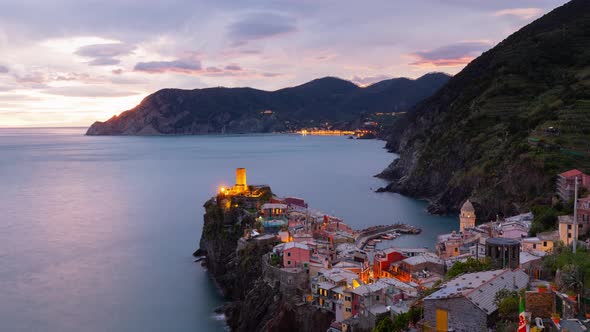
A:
(566, 183)
(382, 261)
(296, 255)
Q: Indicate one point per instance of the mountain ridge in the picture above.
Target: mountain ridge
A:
(238, 110)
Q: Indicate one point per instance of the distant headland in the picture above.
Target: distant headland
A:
(323, 104)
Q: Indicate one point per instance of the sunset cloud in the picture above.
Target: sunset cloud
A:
(105, 54)
(368, 80)
(233, 67)
(88, 91)
(260, 26)
(175, 66)
(457, 54)
(521, 13)
(58, 52)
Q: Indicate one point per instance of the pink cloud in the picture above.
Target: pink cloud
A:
(452, 55)
(184, 66)
(521, 13)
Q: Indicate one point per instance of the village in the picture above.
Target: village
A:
(465, 284)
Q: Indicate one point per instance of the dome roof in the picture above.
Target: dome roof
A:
(467, 207)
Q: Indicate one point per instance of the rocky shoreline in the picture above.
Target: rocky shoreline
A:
(253, 304)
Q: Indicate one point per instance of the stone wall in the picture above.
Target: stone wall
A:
(464, 316)
(294, 281)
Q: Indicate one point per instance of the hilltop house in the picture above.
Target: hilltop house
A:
(566, 183)
(466, 303)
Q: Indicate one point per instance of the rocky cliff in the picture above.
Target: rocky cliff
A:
(255, 305)
(242, 110)
(500, 130)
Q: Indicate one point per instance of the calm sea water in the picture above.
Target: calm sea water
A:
(96, 233)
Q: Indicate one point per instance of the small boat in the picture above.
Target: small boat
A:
(388, 236)
(377, 240)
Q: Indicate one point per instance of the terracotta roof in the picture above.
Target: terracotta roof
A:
(571, 173)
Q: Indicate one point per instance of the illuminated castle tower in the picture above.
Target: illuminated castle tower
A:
(241, 184)
(467, 217)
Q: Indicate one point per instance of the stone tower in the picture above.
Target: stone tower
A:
(467, 217)
(241, 184)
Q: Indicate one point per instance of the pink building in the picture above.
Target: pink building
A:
(566, 184)
(584, 210)
(296, 254)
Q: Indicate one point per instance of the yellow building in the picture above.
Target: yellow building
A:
(542, 242)
(566, 229)
(467, 217)
(347, 310)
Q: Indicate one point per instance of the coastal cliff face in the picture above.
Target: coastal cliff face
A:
(241, 110)
(254, 305)
(500, 130)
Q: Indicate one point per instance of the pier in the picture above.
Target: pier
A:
(374, 232)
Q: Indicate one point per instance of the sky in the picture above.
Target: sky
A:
(73, 62)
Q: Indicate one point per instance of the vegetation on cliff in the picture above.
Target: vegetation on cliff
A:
(500, 130)
(255, 305)
(242, 110)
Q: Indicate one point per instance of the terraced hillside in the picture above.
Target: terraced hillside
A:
(500, 130)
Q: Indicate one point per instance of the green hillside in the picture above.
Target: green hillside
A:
(500, 130)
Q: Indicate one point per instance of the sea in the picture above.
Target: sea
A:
(97, 233)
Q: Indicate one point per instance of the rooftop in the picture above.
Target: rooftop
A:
(421, 259)
(467, 207)
(291, 245)
(481, 287)
(273, 206)
(549, 236)
(570, 173)
(502, 241)
(568, 219)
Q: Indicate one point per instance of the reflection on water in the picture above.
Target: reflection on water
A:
(96, 233)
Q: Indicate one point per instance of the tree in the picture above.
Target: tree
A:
(401, 322)
(398, 324)
(508, 308)
(581, 260)
(385, 325)
(571, 278)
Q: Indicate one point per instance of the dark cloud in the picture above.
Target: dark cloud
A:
(213, 70)
(177, 66)
(105, 50)
(271, 74)
(368, 80)
(260, 26)
(3, 69)
(104, 62)
(105, 54)
(233, 67)
(451, 55)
